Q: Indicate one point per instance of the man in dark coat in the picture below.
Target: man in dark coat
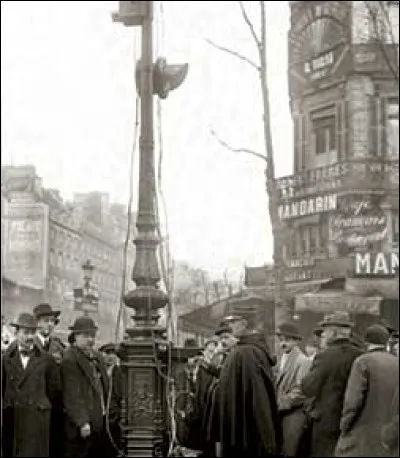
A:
(85, 388)
(371, 387)
(390, 430)
(47, 320)
(325, 384)
(30, 383)
(249, 423)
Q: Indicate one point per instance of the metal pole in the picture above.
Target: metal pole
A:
(143, 422)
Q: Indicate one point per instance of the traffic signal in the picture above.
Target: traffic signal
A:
(166, 77)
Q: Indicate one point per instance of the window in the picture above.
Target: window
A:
(324, 134)
(392, 128)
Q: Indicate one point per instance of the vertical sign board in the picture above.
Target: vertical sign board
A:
(27, 244)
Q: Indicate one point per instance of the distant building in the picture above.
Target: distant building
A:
(46, 241)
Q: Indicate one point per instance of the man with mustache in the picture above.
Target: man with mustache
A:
(30, 383)
(85, 386)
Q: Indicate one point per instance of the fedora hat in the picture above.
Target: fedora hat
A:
(376, 334)
(83, 324)
(45, 309)
(288, 329)
(340, 319)
(223, 329)
(25, 321)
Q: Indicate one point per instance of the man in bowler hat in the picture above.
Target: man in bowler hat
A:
(47, 320)
(85, 386)
(30, 383)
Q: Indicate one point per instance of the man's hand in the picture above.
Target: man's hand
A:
(85, 431)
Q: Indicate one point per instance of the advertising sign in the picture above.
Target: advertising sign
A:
(27, 244)
(376, 264)
(308, 207)
(360, 225)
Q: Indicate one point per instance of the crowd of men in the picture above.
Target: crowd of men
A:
(59, 400)
(334, 395)
(337, 397)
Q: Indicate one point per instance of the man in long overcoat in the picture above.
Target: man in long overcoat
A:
(47, 320)
(30, 383)
(326, 382)
(85, 388)
(293, 366)
(249, 423)
(372, 384)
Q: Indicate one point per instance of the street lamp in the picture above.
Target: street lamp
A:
(86, 299)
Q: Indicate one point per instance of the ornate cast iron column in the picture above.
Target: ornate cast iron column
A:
(144, 412)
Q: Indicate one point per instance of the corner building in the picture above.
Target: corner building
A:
(340, 204)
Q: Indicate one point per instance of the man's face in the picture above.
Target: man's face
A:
(25, 337)
(46, 325)
(209, 350)
(85, 340)
(228, 340)
(327, 336)
(238, 327)
(110, 358)
(286, 343)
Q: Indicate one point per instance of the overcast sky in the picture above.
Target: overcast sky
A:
(68, 98)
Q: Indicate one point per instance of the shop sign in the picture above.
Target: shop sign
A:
(328, 303)
(376, 264)
(307, 207)
(300, 263)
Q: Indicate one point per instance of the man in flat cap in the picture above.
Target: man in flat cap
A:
(367, 406)
(47, 319)
(85, 387)
(30, 383)
(325, 384)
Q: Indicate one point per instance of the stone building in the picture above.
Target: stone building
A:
(340, 205)
(46, 241)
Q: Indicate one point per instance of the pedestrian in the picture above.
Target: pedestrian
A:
(30, 383)
(85, 387)
(371, 387)
(293, 366)
(325, 384)
(312, 347)
(47, 320)
(248, 411)
(113, 398)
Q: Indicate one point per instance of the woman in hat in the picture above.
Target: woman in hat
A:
(85, 387)
(30, 383)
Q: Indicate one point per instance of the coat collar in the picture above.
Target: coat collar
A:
(87, 369)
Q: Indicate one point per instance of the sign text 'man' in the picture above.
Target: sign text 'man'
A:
(379, 264)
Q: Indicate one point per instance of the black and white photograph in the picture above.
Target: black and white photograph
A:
(199, 229)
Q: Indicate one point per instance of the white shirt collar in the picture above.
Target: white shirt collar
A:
(43, 340)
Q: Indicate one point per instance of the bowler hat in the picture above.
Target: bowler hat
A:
(288, 329)
(376, 334)
(108, 348)
(44, 309)
(25, 321)
(83, 324)
(340, 319)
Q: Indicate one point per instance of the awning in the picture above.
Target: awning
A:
(331, 301)
(388, 288)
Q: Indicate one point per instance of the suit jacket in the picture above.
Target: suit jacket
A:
(367, 406)
(81, 393)
(326, 382)
(27, 396)
(55, 348)
(289, 395)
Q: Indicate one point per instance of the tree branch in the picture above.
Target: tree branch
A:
(234, 53)
(250, 24)
(238, 150)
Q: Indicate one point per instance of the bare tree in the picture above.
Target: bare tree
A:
(279, 229)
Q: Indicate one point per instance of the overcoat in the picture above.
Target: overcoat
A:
(249, 424)
(326, 382)
(390, 431)
(27, 396)
(367, 406)
(56, 349)
(290, 400)
(83, 401)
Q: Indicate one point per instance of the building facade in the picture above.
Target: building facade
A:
(340, 205)
(45, 242)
